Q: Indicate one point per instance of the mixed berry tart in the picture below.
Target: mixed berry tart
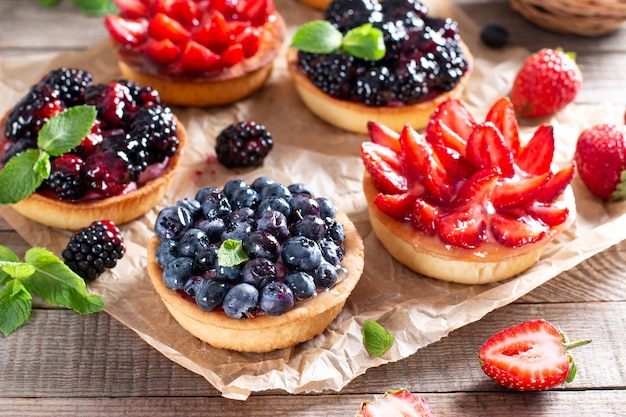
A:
(467, 201)
(395, 63)
(118, 170)
(254, 267)
(197, 52)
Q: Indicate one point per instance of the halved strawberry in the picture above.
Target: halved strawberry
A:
(442, 134)
(455, 115)
(186, 12)
(486, 149)
(396, 403)
(551, 214)
(383, 135)
(214, 33)
(424, 216)
(529, 356)
(455, 164)
(536, 157)
(478, 188)
(397, 206)
(256, 11)
(250, 39)
(197, 58)
(162, 51)
(130, 32)
(384, 172)
(464, 228)
(132, 9)
(162, 26)
(502, 115)
(518, 192)
(233, 55)
(557, 184)
(515, 231)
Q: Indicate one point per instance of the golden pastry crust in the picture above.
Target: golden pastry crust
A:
(238, 82)
(428, 255)
(120, 209)
(354, 116)
(264, 333)
(316, 4)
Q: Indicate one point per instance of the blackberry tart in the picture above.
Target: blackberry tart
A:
(197, 53)
(425, 62)
(119, 170)
(254, 267)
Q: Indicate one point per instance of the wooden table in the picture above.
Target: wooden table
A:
(64, 364)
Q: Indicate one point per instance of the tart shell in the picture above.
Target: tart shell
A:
(353, 116)
(120, 209)
(227, 87)
(429, 256)
(264, 333)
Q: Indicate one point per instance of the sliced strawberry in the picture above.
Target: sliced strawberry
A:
(442, 134)
(386, 176)
(486, 149)
(502, 115)
(162, 51)
(386, 154)
(214, 34)
(397, 206)
(186, 12)
(455, 164)
(424, 216)
(478, 188)
(557, 184)
(162, 26)
(383, 135)
(250, 39)
(518, 192)
(465, 228)
(529, 356)
(256, 11)
(536, 157)
(550, 214)
(514, 231)
(197, 58)
(437, 182)
(132, 9)
(233, 55)
(455, 115)
(130, 32)
(396, 403)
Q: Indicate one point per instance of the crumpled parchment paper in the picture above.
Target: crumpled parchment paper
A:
(415, 309)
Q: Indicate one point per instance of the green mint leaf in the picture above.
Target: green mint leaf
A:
(365, 42)
(6, 255)
(96, 7)
(231, 253)
(59, 285)
(18, 178)
(16, 305)
(376, 339)
(42, 164)
(64, 131)
(17, 270)
(48, 3)
(318, 37)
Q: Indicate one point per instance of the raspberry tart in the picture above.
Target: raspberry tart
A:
(424, 63)
(467, 201)
(197, 53)
(254, 267)
(119, 170)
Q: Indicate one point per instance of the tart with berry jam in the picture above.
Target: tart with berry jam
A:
(420, 62)
(467, 201)
(254, 267)
(197, 53)
(118, 170)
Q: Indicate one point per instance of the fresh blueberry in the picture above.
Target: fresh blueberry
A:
(274, 222)
(304, 205)
(334, 231)
(325, 275)
(261, 182)
(166, 252)
(206, 259)
(237, 231)
(203, 192)
(216, 205)
(327, 208)
(192, 241)
(312, 227)
(301, 283)
(241, 301)
(274, 204)
(192, 285)
(243, 214)
(262, 244)
(259, 272)
(276, 298)
(331, 252)
(233, 185)
(228, 273)
(300, 188)
(178, 272)
(245, 198)
(275, 189)
(301, 253)
(193, 206)
(494, 35)
(210, 294)
(172, 222)
(213, 228)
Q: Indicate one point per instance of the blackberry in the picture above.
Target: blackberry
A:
(144, 96)
(348, 14)
(17, 147)
(113, 101)
(408, 12)
(155, 128)
(66, 177)
(31, 112)
(330, 73)
(131, 149)
(243, 144)
(494, 35)
(71, 83)
(93, 249)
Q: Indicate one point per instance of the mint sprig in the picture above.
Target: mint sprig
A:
(25, 172)
(88, 7)
(231, 253)
(376, 339)
(321, 37)
(44, 274)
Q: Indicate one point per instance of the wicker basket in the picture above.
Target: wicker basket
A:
(581, 17)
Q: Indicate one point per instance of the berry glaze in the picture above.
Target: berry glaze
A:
(132, 140)
(196, 40)
(424, 56)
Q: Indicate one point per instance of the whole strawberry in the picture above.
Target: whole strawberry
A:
(530, 356)
(548, 81)
(600, 159)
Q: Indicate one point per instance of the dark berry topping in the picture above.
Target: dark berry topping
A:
(70, 82)
(31, 112)
(66, 177)
(243, 144)
(94, 249)
(494, 35)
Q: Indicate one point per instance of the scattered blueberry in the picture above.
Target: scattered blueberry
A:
(494, 35)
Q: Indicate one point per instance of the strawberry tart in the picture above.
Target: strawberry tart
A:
(423, 62)
(197, 53)
(118, 171)
(466, 201)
